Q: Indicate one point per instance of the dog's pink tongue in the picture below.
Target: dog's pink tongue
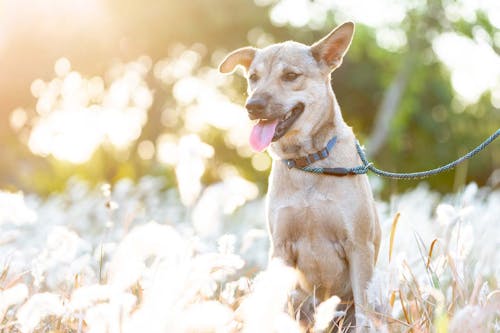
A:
(262, 134)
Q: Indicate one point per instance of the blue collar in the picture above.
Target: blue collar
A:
(305, 161)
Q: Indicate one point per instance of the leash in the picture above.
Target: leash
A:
(368, 166)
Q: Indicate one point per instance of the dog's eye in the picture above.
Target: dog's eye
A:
(254, 77)
(290, 76)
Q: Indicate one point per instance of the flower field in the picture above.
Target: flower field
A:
(133, 258)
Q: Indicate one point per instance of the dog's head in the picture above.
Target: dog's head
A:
(289, 83)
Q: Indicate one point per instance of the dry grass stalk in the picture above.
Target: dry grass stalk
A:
(393, 233)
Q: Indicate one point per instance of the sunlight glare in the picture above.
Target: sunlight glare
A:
(466, 9)
(470, 76)
(37, 87)
(495, 97)
(171, 70)
(186, 90)
(191, 165)
(303, 12)
(146, 150)
(391, 39)
(95, 88)
(69, 135)
(258, 37)
(167, 151)
(261, 161)
(18, 119)
(207, 105)
(295, 12)
(78, 114)
(123, 126)
(62, 67)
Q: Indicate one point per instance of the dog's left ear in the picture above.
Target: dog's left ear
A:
(332, 48)
(240, 57)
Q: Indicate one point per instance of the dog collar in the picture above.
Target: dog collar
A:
(304, 161)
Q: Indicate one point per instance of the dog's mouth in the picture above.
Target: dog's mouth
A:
(270, 130)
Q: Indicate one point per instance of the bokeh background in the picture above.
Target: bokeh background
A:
(106, 90)
(130, 200)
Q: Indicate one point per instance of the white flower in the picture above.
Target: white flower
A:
(219, 200)
(471, 318)
(87, 296)
(266, 303)
(105, 318)
(283, 323)
(159, 242)
(65, 255)
(446, 214)
(204, 317)
(325, 312)
(36, 308)
(12, 296)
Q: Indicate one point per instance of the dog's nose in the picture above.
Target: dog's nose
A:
(256, 106)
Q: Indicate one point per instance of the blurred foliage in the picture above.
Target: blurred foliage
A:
(429, 129)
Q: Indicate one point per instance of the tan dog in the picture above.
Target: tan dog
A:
(324, 226)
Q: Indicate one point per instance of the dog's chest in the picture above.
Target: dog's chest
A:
(303, 189)
(309, 205)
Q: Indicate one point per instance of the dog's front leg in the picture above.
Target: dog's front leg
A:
(361, 263)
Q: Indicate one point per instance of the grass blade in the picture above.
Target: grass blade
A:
(393, 232)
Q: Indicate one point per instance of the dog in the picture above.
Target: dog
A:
(326, 227)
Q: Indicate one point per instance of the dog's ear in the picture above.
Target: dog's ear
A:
(242, 57)
(332, 48)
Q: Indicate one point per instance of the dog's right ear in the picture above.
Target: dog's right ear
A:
(242, 57)
(332, 48)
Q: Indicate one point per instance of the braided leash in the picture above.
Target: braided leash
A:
(367, 166)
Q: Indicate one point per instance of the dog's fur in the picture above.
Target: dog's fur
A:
(324, 226)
